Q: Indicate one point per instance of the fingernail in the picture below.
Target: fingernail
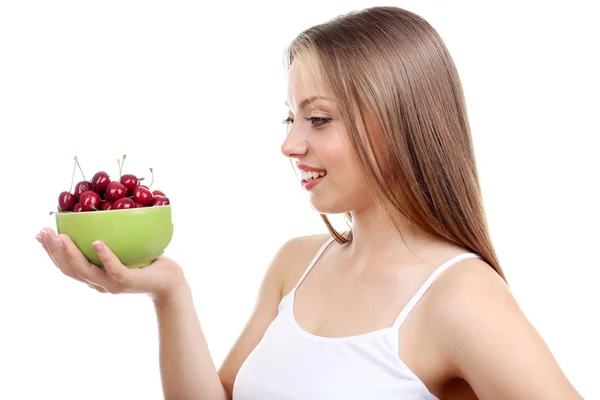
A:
(58, 241)
(45, 235)
(97, 246)
(39, 239)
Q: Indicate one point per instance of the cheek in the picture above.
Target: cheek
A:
(346, 190)
(346, 171)
(338, 157)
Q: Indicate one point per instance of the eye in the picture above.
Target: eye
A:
(315, 121)
(318, 121)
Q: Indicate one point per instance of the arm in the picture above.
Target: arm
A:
(490, 342)
(187, 370)
(186, 367)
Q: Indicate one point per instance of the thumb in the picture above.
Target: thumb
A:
(112, 265)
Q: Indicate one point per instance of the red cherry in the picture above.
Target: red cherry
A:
(158, 193)
(100, 181)
(81, 187)
(106, 205)
(122, 203)
(142, 195)
(130, 181)
(77, 207)
(89, 201)
(138, 205)
(160, 201)
(114, 191)
(66, 201)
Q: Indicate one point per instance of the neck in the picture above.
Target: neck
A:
(375, 236)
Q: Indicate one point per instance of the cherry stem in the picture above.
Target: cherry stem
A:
(152, 181)
(80, 170)
(119, 162)
(73, 176)
(122, 163)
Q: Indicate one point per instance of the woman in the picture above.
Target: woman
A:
(411, 302)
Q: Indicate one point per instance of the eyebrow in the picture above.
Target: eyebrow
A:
(305, 102)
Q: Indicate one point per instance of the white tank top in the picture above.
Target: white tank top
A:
(290, 363)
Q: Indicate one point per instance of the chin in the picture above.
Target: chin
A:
(329, 205)
(330, 198)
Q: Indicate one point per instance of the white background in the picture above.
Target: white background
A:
(197, 92)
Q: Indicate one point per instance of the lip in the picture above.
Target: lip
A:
(313, 183)
(308, 168)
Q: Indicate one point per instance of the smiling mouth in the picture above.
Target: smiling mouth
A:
(310, 176)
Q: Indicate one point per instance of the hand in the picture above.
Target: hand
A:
(158, 280)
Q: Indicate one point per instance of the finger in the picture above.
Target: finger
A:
(98, 288)
(55, 252)
(42, 237)
(115, 270)
(42, 241)
(82, 267)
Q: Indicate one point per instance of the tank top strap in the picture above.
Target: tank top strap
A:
(313, 262)
(425, 286)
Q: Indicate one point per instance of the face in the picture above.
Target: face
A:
(317, 140)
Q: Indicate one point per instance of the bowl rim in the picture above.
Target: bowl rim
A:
(62, 213)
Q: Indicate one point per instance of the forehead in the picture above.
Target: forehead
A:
(305, 85)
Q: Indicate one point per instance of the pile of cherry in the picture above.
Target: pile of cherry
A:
(102, 193)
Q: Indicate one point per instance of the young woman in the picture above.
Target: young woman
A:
(411, 302)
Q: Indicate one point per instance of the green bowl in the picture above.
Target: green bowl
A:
(137, 236)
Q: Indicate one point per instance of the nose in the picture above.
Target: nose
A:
(295, 144)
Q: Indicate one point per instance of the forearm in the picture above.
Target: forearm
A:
(186, 367)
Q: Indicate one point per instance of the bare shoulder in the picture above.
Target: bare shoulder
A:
(488, 340)
(303, 246)
(290, 260)
(471, 288)
(473, 275)
(295, 255)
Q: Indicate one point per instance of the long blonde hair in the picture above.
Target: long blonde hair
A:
(389, 66)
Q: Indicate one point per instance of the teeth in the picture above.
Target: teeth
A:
(310, 175)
